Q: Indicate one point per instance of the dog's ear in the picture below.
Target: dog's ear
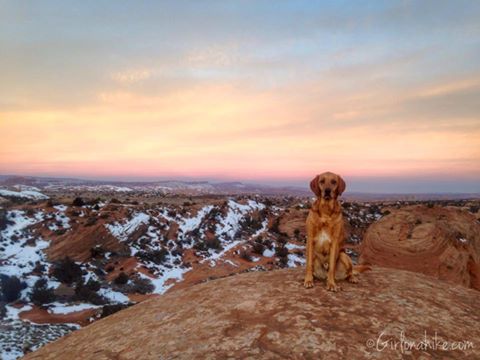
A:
(341, 185)
(314, 186)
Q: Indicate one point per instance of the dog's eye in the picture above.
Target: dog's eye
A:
(322, 181)
(334, 182)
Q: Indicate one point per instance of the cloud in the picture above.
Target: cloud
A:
(131, 76)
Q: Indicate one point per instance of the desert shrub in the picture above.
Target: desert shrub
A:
(41, 293)
(115, 201)
(250, 222)
(30, 212)
(97, 251)
(67, 271)
(78, 201)
(213, 243)
(474, 209)
(245, 255)
(10, 288)
(88, 292)
(39, 268)
(200, 245)
(139, 285)
(281, 251)
(3, 219)
(177, 251)
(112, 309)
(93, 285)
(283, 261)
(258, 248)
(156, 256)
(275, 226)
(91, 221)
(282, 239)
(121, 279)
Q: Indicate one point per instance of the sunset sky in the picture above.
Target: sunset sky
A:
(385, 93)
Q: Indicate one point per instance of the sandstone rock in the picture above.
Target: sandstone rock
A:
(436, 241)
(269, 315)
(78, 242)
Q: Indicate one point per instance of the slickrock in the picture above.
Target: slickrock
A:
(270, 315)
(437, 241)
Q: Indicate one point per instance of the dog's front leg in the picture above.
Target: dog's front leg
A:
(308, 283)
(332, 263)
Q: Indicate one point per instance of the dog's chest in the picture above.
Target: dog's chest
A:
(322, 242)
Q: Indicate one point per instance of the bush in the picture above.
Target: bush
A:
(258, 248)
(296, 233)
(97, 251)
(156, 256)
(249, 222)
(112, 309)
(67, 271)
(245, 255)
(139, 285)
(91, 221)
(275, 226)
(78, 201)
(213, 243)
(121, 279)
(10, 288)
(41, 294)
(281, 251)
(3, 219)
(88, 292)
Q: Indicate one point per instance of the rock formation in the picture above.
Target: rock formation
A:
(270, 315)
(443, 242)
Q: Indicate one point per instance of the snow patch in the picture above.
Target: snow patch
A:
(123, 231)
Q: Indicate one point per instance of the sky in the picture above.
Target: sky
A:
(385, 93)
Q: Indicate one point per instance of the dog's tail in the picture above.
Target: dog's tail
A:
(357, 269)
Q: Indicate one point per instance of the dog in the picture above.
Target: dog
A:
(326, 259)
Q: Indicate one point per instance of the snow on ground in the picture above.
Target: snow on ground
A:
(192, 223)
(26, 187)
(12, 313)
(292, 246)
(92, 188)
(262, 229)
(60, 220)
(25, 194)
(59, 308)
(18, 337)
(19, 249)
(268, 253)
(113, 296)
(229, 225)
(295, 260)
(175, 273)
(122, 231)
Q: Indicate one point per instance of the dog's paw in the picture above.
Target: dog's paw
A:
(353, 279)
(331, 286)
(308, 283)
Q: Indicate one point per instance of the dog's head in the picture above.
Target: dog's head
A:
(327, 185)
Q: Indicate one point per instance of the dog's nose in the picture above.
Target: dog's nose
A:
(328, 191)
